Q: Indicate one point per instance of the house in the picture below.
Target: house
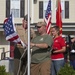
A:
(37, 12)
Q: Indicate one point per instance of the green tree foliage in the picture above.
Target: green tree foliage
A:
(66, 70)
(3, 70)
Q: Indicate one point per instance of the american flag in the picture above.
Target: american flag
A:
(48, 17)
(10, 30)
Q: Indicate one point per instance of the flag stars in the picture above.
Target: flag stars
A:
(8, 27)
(11, 29)
(48, 10)
(8, 31)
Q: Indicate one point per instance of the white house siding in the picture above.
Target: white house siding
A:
(72, 10)
(36, 12)
(2, 10)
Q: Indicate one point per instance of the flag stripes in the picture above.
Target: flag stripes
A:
(48, 17)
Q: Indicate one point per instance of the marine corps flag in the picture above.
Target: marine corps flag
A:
(58, 16)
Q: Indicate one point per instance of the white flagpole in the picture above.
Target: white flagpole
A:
(28, 37)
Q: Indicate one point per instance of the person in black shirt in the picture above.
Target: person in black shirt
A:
(72, 53)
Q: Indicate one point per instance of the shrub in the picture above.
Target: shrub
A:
(2, 70)
(66, 70)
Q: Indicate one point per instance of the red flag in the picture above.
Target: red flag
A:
(58, 16)
(48, 17)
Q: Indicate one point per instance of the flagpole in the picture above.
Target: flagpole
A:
(28, 38)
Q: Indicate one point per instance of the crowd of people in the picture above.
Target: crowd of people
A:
(48, 51)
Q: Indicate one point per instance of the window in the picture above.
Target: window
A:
(22, 8)
(40, 9)
(7, 8)
(43, 7)
(65, 9)
(17, 7)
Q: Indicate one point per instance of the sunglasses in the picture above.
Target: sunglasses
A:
(38, 26)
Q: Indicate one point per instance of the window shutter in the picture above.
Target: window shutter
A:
(66, 9)
(40, 9)
(7, 8)
(22, 8)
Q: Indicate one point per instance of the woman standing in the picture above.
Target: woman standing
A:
(59, 48)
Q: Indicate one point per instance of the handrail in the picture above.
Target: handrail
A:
(3, 54)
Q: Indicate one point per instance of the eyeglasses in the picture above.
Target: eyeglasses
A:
(38, 26)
